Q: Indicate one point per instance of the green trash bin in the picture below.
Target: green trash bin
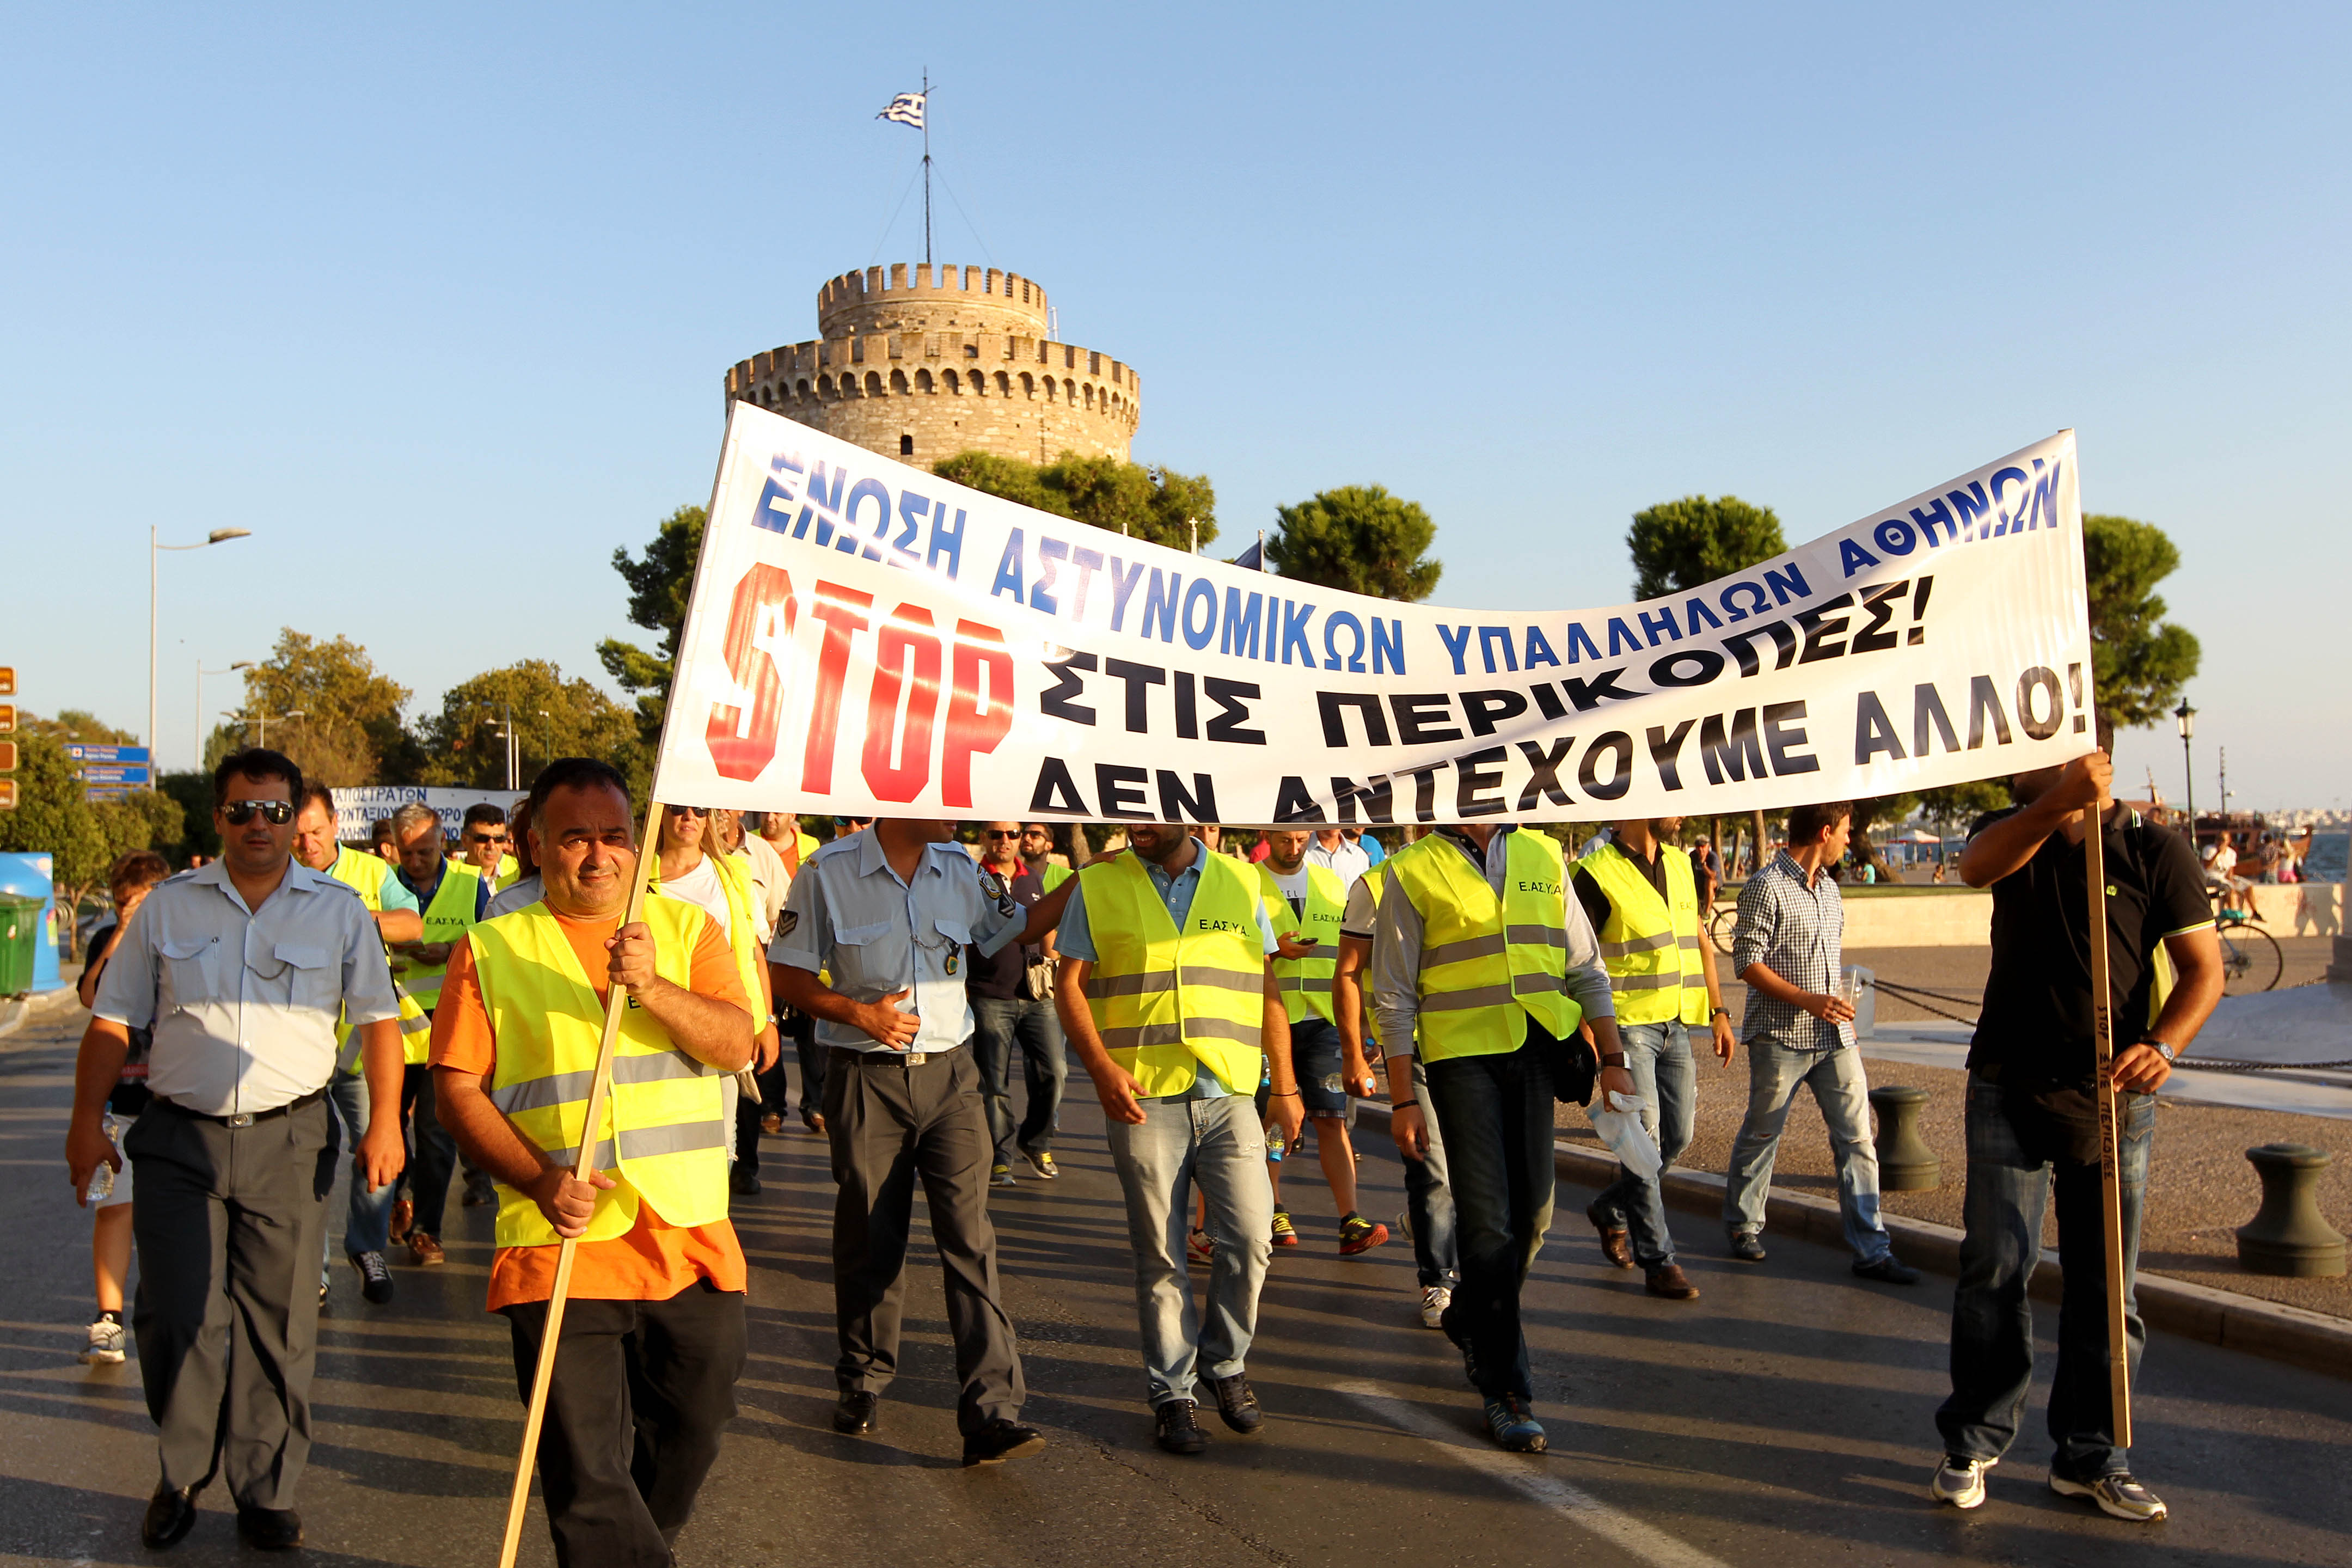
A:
(20, 939)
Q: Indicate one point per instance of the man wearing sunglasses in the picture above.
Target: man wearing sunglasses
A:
(241, 970)
(485, 839)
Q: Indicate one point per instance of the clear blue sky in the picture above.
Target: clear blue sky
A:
(436, 302)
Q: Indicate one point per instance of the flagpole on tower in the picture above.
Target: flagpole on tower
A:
(927, 165)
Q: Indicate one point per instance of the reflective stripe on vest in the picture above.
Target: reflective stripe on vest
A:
(1306, 982)
(1649, 944)
(663, 1137)
(742, 927)
(364, 874)
(1488, 965)
(1166, 1001)
(450, 916)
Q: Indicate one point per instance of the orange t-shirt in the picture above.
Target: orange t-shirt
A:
(655, 1259)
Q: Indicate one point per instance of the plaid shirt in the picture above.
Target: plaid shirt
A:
(1797, 932)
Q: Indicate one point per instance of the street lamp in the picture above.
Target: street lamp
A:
(261, 722)
(217, 536)
(201, 673)
(2186, 717)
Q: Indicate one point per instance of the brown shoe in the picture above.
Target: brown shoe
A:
(1613, 1240)
(403, 1215)
(426, 1251)
(1671, 1283)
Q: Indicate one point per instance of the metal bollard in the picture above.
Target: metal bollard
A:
(1905, 1164)
(2288, 1235)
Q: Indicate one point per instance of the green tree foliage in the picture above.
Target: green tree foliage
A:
(1682, 543)
(2140, 662)
(464, 743)
(80, 724)
(351, 732)
(82, 838)
(1360, 539)
(193, 791)
(1149, 503)
(659, 584)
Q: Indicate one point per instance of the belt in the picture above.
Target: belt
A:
(243, 1118)
(894, 1058)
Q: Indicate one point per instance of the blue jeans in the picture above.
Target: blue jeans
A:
(367, 1219)
(1659, 1058)
(997, 1023)
(1496, 1112)
(1429, 1202)
(1219, 1143)
(1841, 1091)
(2013, 1165)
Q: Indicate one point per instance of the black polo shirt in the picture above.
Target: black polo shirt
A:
(2036, 1023)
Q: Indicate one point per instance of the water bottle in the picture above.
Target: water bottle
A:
(1273, 1147)
(101, 1181)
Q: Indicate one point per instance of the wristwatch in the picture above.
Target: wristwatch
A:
(1718, 1013)
(2170, 1053)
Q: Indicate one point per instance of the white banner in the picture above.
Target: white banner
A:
(357, 808)
(867, 639)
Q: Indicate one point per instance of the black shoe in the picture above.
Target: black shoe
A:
(1237, 1402)
(375, 1277)
(742, 1183)
(857, 1413)
(1887, 1270)
(1001, 1440)
(1747, 1247)
(480, 1193)
(1176, 1430)
(269, 1528)
(170, 1515)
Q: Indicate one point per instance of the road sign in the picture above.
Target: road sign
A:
(82, 753)
(107, 774)
(7, 756)
(110, 791)
(7, 681)
(7, 717)
(8, 795)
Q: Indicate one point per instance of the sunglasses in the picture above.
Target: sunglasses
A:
(994, 833)
(690, 810)
(277, 813)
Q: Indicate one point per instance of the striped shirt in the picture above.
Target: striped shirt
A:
(1798, 932)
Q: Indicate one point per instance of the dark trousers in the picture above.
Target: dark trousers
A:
(999, 1024)
(228, 1222)
(1429, 1203)
(889, 1123)
(774, 1088)
(1496, 1115)
(801, 1030)
(2017, 1156)
(639, 1394)
(432, 1152)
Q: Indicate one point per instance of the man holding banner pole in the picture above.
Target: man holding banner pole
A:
(2033, 1127)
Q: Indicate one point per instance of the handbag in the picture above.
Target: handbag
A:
(1037, 978)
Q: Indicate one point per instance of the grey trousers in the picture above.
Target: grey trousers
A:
(889, 1124)
(228, 1225)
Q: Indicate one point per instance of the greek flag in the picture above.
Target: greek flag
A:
(907, 109)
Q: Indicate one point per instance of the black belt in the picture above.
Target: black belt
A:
(895, 1058)
(243, 1118)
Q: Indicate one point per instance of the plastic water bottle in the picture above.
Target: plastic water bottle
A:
(1273, 1145)
(101, 1181)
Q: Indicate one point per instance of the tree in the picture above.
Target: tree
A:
(82, 838)
(1157, 504)
(1680, 544)
(2139, 661)
(553, 717)
(659, 583)
(1359, 539)
(351, 730)
(80, 724)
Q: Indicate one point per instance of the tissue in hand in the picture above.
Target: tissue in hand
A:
(1621, 1128)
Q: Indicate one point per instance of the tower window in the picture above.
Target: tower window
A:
(906, 445)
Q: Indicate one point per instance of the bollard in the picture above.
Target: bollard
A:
(1905, 1164)
(2288, 1235)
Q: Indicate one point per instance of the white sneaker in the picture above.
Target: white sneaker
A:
(1959, 1481)
(2116, 1494)
(107, 1342)
(1434, 1299)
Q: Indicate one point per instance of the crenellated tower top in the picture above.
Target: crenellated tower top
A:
(947, 298)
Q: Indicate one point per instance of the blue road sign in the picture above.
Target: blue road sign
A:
(107, 774)
(82, 753)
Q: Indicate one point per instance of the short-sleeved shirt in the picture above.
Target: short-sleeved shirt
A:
(419, 897)
(997, 975)
(850, 916)
(1799, 933)
(654, 1260)
(242, 1002)
(1348, 862)
(2036, 1024)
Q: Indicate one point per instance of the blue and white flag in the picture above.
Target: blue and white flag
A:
(907, 109)
(1254, 557)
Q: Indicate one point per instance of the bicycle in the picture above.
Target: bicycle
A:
(1722, 923)
(2252, 960)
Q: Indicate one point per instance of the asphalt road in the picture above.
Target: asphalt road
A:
(1783, 1418)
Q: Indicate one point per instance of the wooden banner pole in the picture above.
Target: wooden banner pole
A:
(582, 1167)
(2111, 1197)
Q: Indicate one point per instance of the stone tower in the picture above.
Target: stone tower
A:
(961, 361)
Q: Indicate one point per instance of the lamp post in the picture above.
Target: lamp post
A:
(201, 673)
(260, 723)
(2186, 717)
(547, 738)
(155, 620)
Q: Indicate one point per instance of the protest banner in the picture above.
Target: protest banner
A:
(358, 807)
(866, 639)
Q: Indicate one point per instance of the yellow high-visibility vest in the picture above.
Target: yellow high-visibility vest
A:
(1167, 1001)
(1375, 881)
(1650, 945)
(364, 874)
(1488, 965)
(661, 1136)
(1306, 982)
(742, 927)
(450, 916)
